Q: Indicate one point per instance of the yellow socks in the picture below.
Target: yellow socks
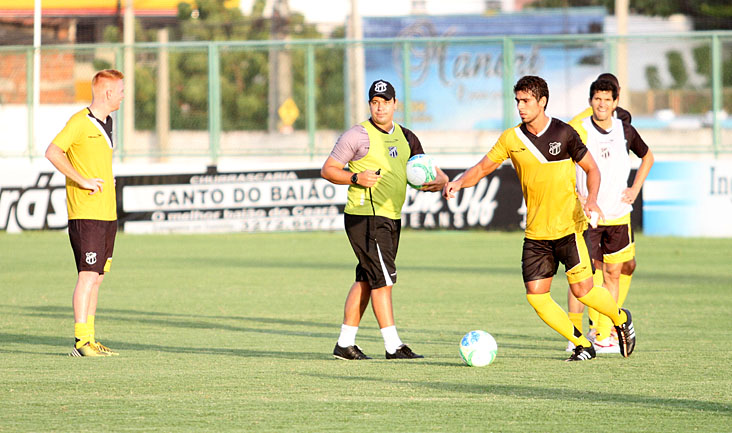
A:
(81, 333)
(90, 325)
(604, 325)
(576, 319)
(553, 315)
(601, 300)
(592, 314)
(624, 288)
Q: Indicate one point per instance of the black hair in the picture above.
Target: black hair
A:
(533, 85)
(602, 85)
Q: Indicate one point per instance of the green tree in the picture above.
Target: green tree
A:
(706, 14)
(677, 69)
(653, 78)
(244, 72)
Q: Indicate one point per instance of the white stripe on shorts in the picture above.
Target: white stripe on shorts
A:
(387, 277)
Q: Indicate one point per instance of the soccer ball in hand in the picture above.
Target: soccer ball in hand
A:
(478, 348)
(420, 170)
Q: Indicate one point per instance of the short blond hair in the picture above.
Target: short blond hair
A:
(107, 74)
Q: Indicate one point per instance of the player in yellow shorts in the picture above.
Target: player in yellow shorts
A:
(544, 151)
(611, 245)
(82, 151)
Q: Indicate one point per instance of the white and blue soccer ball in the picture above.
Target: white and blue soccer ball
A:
(478, 348)
(420, 170)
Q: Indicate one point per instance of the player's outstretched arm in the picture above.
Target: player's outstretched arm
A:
(630, 194)
(470, 178)
(61, 162)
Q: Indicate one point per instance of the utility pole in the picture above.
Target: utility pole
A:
(162, 100)
(621, 15)
(128, 111)
(356, 66)
(280, 66)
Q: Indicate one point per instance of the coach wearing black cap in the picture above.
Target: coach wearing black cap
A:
(375, 153)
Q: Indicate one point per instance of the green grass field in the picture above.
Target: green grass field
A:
(235, 333)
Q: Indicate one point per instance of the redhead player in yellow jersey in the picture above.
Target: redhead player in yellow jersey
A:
(82, 152)
(544, 151)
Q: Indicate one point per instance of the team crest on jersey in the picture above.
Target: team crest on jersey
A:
(555, 148)
(605, 152)
(91, 258)
(393, 151)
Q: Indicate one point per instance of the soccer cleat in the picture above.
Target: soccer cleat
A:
(607, 345)
(86, 350)
(570, 347)
(104, 349)
(349, 353)
(592, 334)
(626, 335)
(582, 353)
(403, 352)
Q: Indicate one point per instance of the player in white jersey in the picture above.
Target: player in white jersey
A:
(610, 141)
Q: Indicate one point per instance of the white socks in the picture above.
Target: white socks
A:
(348, 336)
(391, 339)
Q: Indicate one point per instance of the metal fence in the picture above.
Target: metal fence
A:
(217, 99)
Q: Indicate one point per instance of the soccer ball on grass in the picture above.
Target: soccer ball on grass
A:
(420, 170)
(478, 348)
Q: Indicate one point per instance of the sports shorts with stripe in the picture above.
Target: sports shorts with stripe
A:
(611, 243)
(93, 244)
(375, 240)
(540, 258)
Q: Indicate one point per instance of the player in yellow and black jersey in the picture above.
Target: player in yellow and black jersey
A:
(544, 151)
(82, 151)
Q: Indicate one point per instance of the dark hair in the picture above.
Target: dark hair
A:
(602, 85)
(533, 85)
(610, 77)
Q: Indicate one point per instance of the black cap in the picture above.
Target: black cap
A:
(383, 89)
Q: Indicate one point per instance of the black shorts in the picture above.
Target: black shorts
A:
(540, 258)
(611, 244)
(93, 244)
(375, 240)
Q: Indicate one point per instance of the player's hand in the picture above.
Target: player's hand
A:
(436, 185)
(582, 199)
(93, 185)
(450, 189)
(629, 195)
(591, 207)
(368, 178)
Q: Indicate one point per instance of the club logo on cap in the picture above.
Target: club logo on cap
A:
(380, 86)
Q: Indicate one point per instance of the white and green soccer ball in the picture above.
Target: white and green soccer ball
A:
(420, 170)
(478, 348)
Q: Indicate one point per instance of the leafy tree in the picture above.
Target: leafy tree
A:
(707, 14)
(677, 69)
(244, 72)
(653, 78)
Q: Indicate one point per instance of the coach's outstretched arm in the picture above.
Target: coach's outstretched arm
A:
(471, 177)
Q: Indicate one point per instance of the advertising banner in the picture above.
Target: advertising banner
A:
(688, 198)
(263, 201)
(289, 200)
(299, 200)
(459, 86)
